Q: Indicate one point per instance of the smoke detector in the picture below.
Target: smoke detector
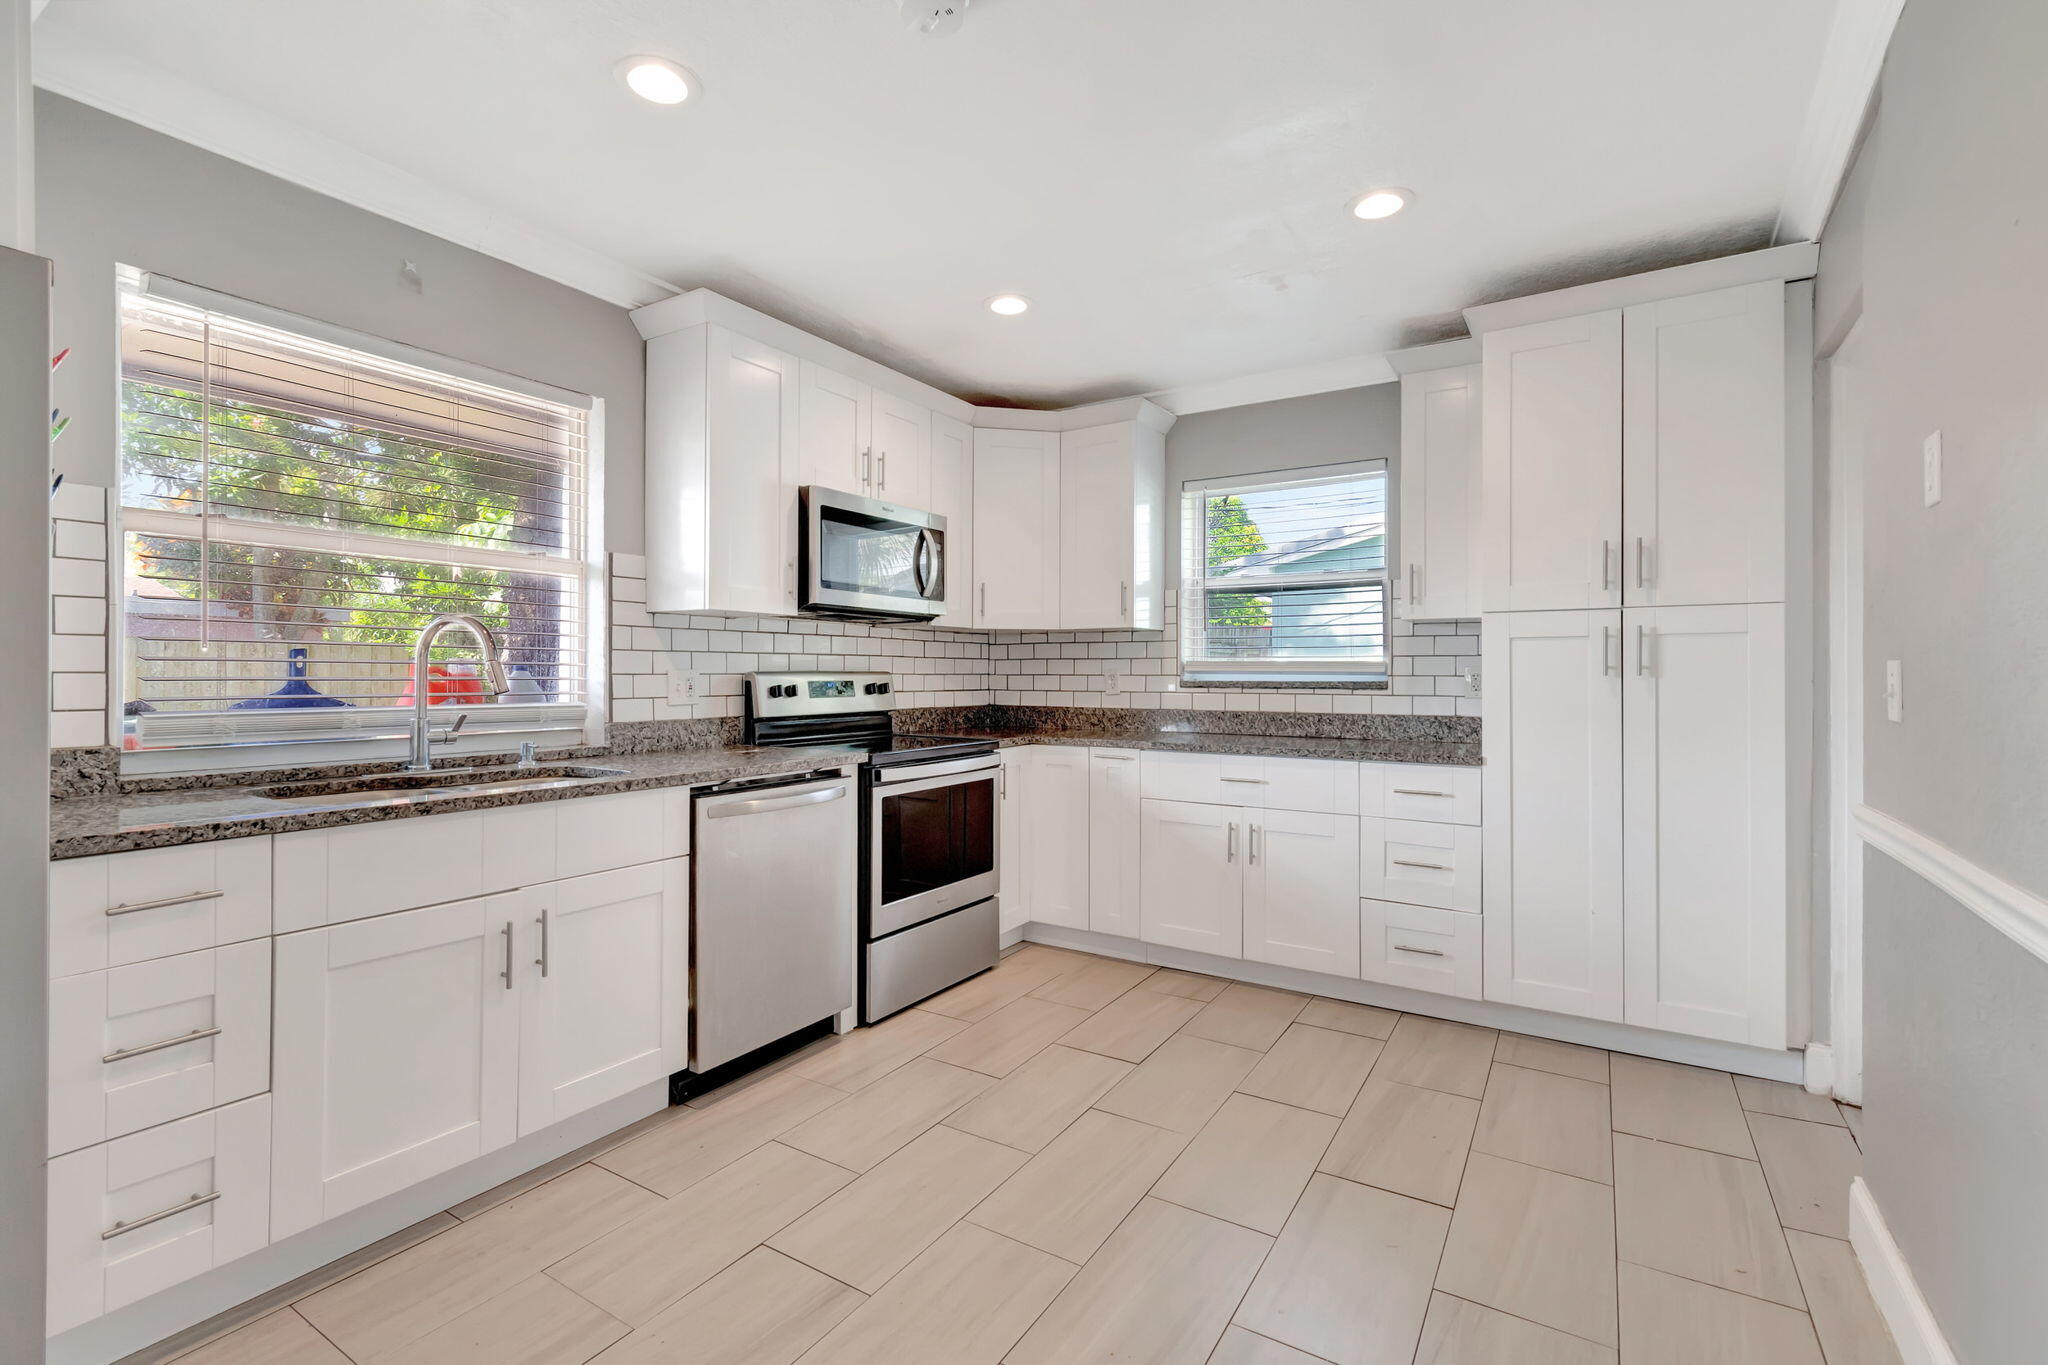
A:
(934, 18)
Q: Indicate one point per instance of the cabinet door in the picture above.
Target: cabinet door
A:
(1552, 885)
(1703, 445)
(396, 1052)
(1190, 879)
(832, 431)
(1056, 835)
(1551, 469)
(1016, 530)
(1704, 734)
(603, 994)
(952, 497)
(902, 436)
(750, 476)
(1096, 553)
(1113, 838)
(1012, 858)
(1301, 890)
(1439, 477)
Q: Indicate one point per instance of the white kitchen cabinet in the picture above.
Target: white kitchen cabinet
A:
(1192, 886)
(1274, 783)
(1420, 863)
(723, 468)
(1016, 530)
(902, 437)
(1551, 465)
(603, 995)
(141, 1213)
(120, 908)
(952, 497)
(1704, 777)
(396, 1052)
(1703, 442)
(1012, 880)
(135, 1046)
(833, 422)
(1553, 889)
(1437, 577)
(1420, 791)
(1114, 838)
(1301, 890)
(1112, 527)
(1053, 825)
(1421, 948)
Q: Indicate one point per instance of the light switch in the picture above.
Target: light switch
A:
(1894, 690)
(1930, 471)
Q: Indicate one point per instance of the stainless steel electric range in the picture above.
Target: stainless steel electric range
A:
(928, 845)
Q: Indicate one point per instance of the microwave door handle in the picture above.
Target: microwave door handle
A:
(927, 562)
(917, 570)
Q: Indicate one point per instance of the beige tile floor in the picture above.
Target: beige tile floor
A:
(1071, 1160)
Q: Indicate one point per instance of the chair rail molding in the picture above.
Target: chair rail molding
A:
(2014, 911)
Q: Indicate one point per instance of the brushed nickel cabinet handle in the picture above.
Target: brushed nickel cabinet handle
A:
(1230, 849)
(1433, 867)
(1248, 781)
(1123, 601)
(162, 903)
(1606, 565)
(1610, 655)
(195, 1202)
(1643, 639)
(506, 975)
(542, 961)
(1417, 791)
(144, 1049)
(1426, 952)
(867, 468)
(1642, 572)
(1251, 849)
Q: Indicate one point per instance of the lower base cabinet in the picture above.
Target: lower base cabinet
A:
(1191, 893)
(1115, 833)
(143, 1212)
(1052, 827)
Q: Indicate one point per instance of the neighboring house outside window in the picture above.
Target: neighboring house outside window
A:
(1284, 576)
(295, 508)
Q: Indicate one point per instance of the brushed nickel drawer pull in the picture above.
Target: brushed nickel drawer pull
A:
(195, 1202)
(163, 902)
(1416, 791)
(1426, 952)
(1249, 781)
(1433, 867)
(145, 1049)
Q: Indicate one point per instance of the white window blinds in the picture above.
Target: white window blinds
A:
(1284, 575)
(295, 510)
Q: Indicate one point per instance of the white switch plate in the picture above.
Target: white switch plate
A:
(682, 682)
(1894, 690)
(1930, 469)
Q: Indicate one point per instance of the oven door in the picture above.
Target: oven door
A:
(866, 558)
(934, 841)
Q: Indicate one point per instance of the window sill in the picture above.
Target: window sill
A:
(1287, 685)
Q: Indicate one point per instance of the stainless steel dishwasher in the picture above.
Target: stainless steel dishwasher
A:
(772, 947)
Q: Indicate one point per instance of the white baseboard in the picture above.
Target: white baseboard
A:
(1565, 1028)
(1892, 1285)
(1820, 1068)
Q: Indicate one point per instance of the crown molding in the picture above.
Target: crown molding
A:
(1794, 261)
(1328, 376)
(227, 127)
(1851, 63)
(1440, 355)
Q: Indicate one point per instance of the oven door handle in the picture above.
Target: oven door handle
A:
(890, 777)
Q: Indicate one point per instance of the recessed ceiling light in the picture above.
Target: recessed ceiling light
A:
(1384, 203)
(657, 80)
(1009, 305)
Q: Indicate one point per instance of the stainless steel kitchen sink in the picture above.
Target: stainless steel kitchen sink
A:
(441, 785)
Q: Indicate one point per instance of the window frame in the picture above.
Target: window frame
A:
(280, 738)
(1196, 583)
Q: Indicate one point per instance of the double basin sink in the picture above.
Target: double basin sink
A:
(443, 784)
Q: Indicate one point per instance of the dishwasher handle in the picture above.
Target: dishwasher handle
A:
(786, 798)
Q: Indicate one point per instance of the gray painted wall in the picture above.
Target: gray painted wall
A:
(1939, 234)
(110, 191)
(1292, 433)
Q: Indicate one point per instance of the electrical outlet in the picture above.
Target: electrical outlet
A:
(1894, 690)
(1113, 682)
(1930, 470)
(1471, 682)
(682, 681)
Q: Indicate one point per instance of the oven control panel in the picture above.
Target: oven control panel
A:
(819, 694)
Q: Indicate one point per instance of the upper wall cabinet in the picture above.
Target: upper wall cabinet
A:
(722, 472)
(1112, 528)
(952, 497)
(833, 442)
(902, 437)
(1552, 464)
(1017, 530)
(1703, 448)
(1436, 577)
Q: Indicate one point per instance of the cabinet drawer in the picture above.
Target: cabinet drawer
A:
(1424, 949)
(141, 1213)
(1420, 863)
(1186, 777)
(130, 907)
(598, 833)
(1319, 786)
(135, 1046)
(1419, 791)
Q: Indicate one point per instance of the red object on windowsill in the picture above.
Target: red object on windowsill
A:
(448, 688)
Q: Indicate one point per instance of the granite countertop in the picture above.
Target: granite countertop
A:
(1268, 746)
(81, 826)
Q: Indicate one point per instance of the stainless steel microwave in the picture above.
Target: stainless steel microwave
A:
(868, 559)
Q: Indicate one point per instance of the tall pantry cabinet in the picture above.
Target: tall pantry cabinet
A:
(1637, 468)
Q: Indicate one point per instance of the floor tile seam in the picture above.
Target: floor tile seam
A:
(1694, 1279)
(1561, 1331)
(1322, 1360)
(1792, 1118)
(1777, 1208)
(1689, 1146)
(1539, 1071)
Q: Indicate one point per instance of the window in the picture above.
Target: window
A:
(1285, 576)
(295, 509)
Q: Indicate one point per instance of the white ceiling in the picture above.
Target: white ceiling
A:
(1165, 179)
